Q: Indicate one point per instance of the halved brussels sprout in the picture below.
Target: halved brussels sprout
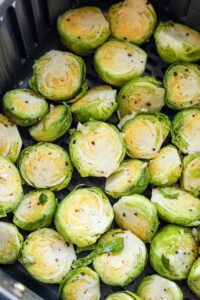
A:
(140, 95)
(194, 278)
(133, 21)
(96, 149)
(24, 107)
(137, 214)
(81, 283)
(145, 133)
(185, 130)
(10, 140)
(98, 103)
(125, 295)
(83, 29)
(155, 287)
(58, 75)
(176, 42)
(131, 177)
(45, 165)
(165, 169)
(11, 192)
(11, 243)
(173, 251)
(120, 269)
(182, 82)
(117, 62)
(54, 125)
(36, 210)
(84, 215)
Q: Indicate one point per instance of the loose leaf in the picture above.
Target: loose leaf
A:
(43, 198)
(165, 262)
(168, 194)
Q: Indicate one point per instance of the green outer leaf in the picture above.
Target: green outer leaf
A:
(165, 261)
(167, 194)
(2, 212)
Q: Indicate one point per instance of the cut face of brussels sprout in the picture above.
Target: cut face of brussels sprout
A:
(120, 269)
(130, 178)
(58, 75)
(118, 62)
(11, 243)
(145, 133)
(165, 169)
(83, 29)
(98, 103)
(186, 130)
(126, 295)
(96, 149)
(194, 278)
(138, 214)
(10, 140)
(81, 283)
(24, 107)
(173, 251)
(54, 125)
(140, 95)
(133, 21)
(83, 216)
(45, 165)
(155, 287)
(176, 42)
(36, 210)
(182, 82)
(47, 256)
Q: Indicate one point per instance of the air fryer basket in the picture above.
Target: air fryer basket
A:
(28, 30)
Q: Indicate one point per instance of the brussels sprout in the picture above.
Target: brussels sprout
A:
(185, 130)
(58, 75)
(11, 141)
(54, 125)
(182, 82)
(117, 62)
(47, 256)
(194, 278)
(173, 251)
(165, 169)
(137, 214)
(120, 269)
(45, 165)
(36, 210)
(83, 29)
(81, 283)
(176, 42)
(96, 149)
(131, 177)
(140, 95)
(145, 133)
(98, 103)
(83, 216)
(155, 287)
(24, 107)
(125, 295)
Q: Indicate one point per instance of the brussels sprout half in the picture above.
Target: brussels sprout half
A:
(125, 295)
(138, 214)
(145, 133)
(117, 62)
(173, 251)
(165, 169)
(58, 75)
(176, 42)
(120, 269)
(36, 210)
(140, 95)
(83, 216)
(24, 107)
(98, 103)
(96, 149)
(155, 287)
(54, 125)
(194, 278)
(83, 29)
(81, 283)
(11, 243)
(185, 130)
(131, 177)
(10, 139)
(45, 165)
